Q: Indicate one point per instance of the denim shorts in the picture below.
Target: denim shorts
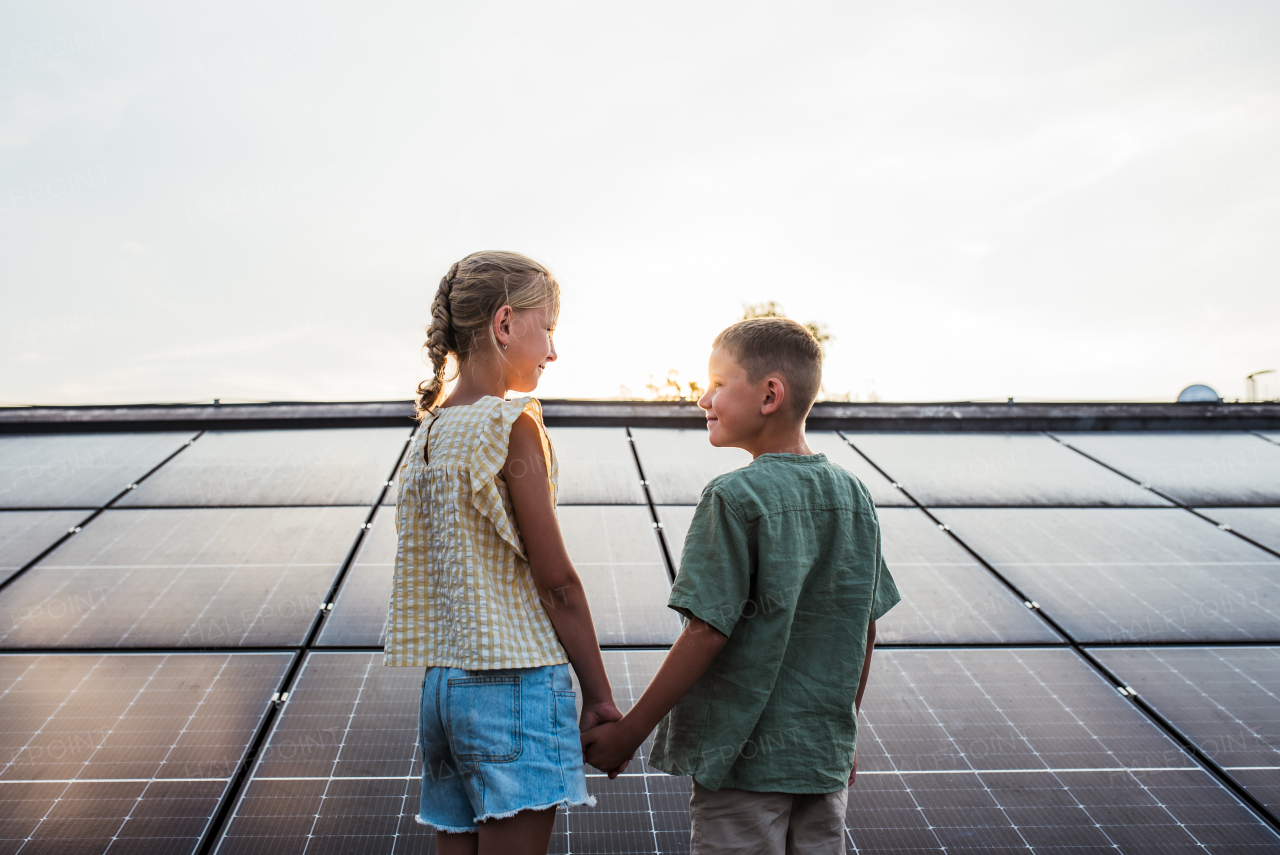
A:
(497, 742)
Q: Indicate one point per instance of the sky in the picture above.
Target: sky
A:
(980, 200)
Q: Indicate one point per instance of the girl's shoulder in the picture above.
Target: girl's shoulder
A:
(475, 434)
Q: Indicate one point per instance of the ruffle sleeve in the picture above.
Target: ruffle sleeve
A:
(491, 455)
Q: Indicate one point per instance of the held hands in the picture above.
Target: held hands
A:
(609, 747)
(598, 712)
(854, 773)
(595, 715)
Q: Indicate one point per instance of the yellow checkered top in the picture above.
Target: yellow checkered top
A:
(463, 595)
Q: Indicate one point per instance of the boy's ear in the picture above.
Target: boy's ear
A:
(775, 393)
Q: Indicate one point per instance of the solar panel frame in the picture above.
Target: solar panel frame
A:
(1258, 524)
(982, 726)
(613, 547)
(617, 554)
(81, 470)
(1204, 468)
(25, 534)
(841, 453)
(947, 596)
(974, 469)
(1224, 700)
(317, 466)
(1155, 575)
(596, 466)
(360, 609)
(182, 578)
(678, 462)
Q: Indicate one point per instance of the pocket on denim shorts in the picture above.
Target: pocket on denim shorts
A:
(484, 718)
(565, 725)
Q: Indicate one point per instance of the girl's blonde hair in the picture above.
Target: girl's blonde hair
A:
(469, 295)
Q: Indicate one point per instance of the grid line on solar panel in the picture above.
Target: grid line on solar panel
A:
(323, 466)
(1129, 575)
(1206, 468)
(135, 749)
(1225, 701)
(997, 470)
(212, 577)
(79, 470)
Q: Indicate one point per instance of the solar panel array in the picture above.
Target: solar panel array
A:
(1087, 655)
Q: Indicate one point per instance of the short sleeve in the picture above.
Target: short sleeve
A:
(886, 596)
(714, 582)
(491, 455)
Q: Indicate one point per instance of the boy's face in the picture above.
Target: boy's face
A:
(732, 402)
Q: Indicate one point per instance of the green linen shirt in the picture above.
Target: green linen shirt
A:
(783, 556)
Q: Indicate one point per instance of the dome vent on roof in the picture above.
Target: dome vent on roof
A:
(1199, 394)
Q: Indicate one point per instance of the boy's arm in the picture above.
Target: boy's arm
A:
(608, 746)
(862, 687)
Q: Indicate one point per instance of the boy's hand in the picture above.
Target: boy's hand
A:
(854, 773)
(609, 748)
(598, 712)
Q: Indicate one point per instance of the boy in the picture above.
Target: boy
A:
(782, 581)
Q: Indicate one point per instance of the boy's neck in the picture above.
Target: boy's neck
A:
(776, 439)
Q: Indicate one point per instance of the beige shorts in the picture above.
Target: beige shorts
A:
(740, 821)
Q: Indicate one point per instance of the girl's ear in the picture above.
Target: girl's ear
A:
(502, 324)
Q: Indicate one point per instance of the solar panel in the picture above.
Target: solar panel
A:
(359, 616)
(983, 750)
(338, 466)
(616, 553)
(1204, 468)
(1223, 699)
(679, 463)
(1000, 469)
(883, 493)
(613, 548)
(82, 470)
(596, 467)
(947, 597)
(1260, 524)
(25, 534)
(212, 577)
(124, 752)
(1130, 575)
(341, 770)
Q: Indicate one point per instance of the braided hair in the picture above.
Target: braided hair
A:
(468, 297)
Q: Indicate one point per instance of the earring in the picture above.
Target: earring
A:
(504, 347)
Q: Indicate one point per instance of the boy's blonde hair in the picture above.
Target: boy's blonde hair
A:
(765, 345)
(470, 294)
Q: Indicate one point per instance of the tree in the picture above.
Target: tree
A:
(673, 389)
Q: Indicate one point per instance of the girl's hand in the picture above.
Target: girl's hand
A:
(609, 748)
(598, 712)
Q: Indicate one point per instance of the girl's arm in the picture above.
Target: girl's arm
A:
(559, 587)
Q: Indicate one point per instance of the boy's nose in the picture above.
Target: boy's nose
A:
(705, 400)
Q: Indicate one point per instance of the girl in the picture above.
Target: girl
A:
(485, 595)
